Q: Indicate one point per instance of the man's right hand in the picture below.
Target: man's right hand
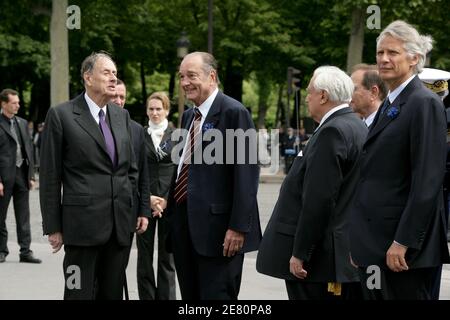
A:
(56, 241)
(1, 189)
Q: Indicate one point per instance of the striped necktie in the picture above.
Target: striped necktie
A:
(181, 184)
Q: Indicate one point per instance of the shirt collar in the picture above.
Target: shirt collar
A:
(206, 105)
(394, 94)
(94, 108)
(370, 118)
(329, 113)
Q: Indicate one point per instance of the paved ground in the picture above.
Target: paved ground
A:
(45, 281)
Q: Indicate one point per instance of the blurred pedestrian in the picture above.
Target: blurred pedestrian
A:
(16, 175)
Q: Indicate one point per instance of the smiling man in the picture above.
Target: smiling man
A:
(86, 150)
(398, 213)
(213, 207)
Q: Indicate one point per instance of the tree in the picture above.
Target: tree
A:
(59, 80)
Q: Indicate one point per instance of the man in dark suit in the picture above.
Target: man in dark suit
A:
(16, 175)
(306, 239)
(369, 91)
(143, 185)
(142, 194)
(213, 207)
(397, 232)
(87, 150)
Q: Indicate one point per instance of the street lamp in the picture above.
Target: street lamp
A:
(183, 44)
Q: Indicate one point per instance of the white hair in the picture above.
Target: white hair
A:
(335, 82)
(413, 42)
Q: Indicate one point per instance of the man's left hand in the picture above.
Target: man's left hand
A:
(296, 268)
(233, 242)
(141, 225)
(32, 183)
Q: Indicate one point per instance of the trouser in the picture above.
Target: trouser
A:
(164, 286)
(19, 191)
(95, 272)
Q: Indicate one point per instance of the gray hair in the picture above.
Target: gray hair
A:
(335, 82)
(413, 42)
(209, 62)
(89, 62)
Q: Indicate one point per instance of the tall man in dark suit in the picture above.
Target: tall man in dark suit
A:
(306, 239)
(143, 185)
(87, 150)
(213, 207)
(16, 175)
(397, 228)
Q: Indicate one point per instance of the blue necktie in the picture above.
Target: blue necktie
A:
(386, 105)
(109, 139)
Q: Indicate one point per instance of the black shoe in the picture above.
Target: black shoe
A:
(29, 259)
(2, 257)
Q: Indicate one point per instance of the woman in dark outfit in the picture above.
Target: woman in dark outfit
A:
(161, 169)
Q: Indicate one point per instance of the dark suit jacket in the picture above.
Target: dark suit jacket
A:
(310, 218)
(221, 196)
(96, 198)
(142, 194)
(399, 195)
(161, 168)
(8, 149)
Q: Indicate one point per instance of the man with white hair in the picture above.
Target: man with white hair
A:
(306, 240)
(397, 223)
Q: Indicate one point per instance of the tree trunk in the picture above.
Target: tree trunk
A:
(233, 81)
(263, 96)
(59, 50)
(278, 114)
(144, 89)
(171, 85)
(356, 43)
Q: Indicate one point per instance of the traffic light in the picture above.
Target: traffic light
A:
(294, 82)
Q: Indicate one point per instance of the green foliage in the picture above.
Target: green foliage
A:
(258, 39)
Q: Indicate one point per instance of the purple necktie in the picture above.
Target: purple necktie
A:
(109, 140)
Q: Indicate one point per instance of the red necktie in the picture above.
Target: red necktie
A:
(181, 184)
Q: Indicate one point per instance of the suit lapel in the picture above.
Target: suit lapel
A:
(214, 112)
(84, 118)
(116, 125)
(382, 120)
(6, 127)
(23, 128)
(313, 138)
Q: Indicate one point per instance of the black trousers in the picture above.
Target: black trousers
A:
(20, 193)
(300, 290)
(414, 284)
(200, 277)
(164, 286)
(95, 273)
